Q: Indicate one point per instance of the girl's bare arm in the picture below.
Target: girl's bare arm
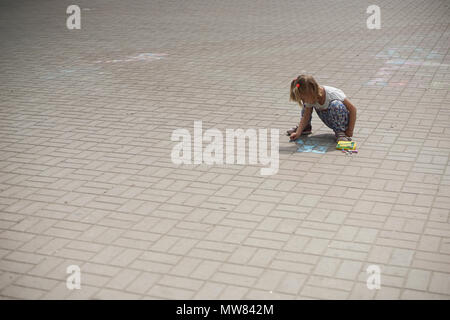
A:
(352, 117)
(304, 120)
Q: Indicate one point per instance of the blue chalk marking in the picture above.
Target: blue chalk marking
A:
(396, 61)
(320, 149)
(311, 145)
(308, 148)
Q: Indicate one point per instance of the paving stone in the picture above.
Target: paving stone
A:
(440, 283)
(327, 266)
(349, 270)
(418, 279)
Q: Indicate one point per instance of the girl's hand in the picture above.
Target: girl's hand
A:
(294, 136)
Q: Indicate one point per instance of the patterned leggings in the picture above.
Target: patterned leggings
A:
(335, 117)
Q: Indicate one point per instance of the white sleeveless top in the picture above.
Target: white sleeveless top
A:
(331, 93)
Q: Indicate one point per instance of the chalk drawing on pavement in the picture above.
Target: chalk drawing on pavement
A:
(140, 57)
(85, 71)
(314, 145)
(404, 58)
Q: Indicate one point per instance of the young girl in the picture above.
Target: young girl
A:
(331, 105)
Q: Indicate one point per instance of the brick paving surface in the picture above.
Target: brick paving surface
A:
(86, 176)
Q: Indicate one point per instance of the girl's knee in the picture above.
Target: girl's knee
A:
(337, 105)
(338, 109)
(339, 115)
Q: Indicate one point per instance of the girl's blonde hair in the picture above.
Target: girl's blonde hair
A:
(302, 86)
